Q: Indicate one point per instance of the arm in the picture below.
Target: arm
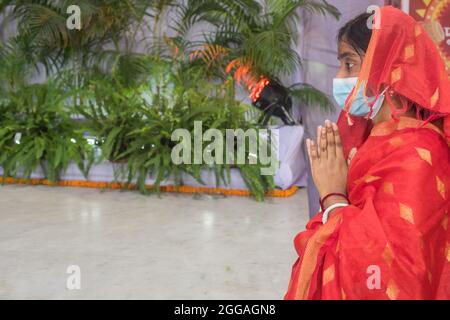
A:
(398, 224)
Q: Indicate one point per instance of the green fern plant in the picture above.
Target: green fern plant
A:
(135, 125)
(254, 38)
(110, 113)
(130, 100)
(38, 131)
(257, 35)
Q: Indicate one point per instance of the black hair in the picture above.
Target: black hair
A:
(356, 33)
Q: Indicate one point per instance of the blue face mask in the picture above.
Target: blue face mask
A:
(342, 87)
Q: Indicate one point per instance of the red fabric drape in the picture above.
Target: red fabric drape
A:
(354, 135)
(393, 241)
(403, 58)
(396, 226)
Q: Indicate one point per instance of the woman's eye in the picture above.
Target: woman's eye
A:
(350, 65)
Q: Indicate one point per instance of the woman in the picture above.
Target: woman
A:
(383, 230)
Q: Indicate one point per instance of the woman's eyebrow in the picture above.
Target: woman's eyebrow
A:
(346, 54)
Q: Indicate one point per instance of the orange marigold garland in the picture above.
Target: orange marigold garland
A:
(121, 186)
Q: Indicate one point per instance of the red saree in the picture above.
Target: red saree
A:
(398, 185)
(393, 240)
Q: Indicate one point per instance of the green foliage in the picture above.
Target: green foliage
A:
(135, 125)
(36, 130)
(260, 34)
(132, 100)
(110, 115)
(309, 95)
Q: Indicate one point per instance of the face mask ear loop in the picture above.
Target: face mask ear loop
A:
(371, 104)
(383, 93)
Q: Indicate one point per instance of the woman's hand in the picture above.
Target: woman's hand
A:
(328, 165)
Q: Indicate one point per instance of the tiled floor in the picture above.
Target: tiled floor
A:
(130, 246)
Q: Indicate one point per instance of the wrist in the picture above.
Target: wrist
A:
(330, 210)
(333, 200)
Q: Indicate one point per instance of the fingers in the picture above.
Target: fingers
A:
(337, 141)
(319, 131)
(331, 148)
(308, 149)
(312, 151)
(328, 141)
(323, 142)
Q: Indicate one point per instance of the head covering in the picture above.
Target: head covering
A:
(403, 58)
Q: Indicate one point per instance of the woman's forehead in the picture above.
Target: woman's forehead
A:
(345, 50)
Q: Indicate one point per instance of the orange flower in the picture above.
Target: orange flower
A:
(170, 189)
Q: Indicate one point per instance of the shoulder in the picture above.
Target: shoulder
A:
(408, 149)
(424, 142)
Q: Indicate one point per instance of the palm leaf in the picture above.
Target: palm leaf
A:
(308, 95)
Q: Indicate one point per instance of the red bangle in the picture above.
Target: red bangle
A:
(333, 194)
